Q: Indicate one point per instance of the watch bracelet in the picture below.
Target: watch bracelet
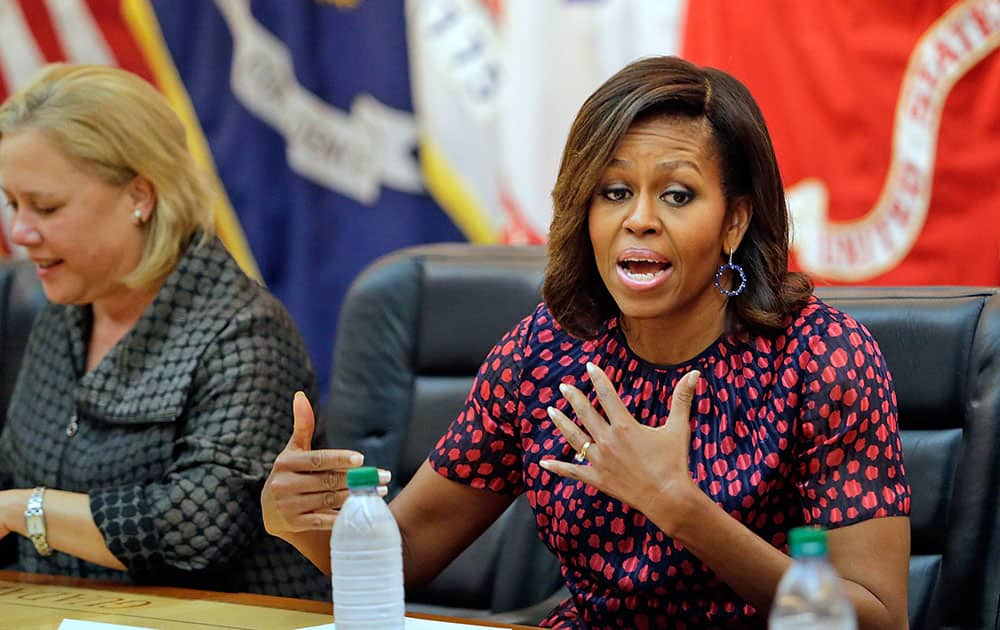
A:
(34, 521)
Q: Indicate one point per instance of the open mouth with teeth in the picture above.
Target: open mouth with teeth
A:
(643, 270)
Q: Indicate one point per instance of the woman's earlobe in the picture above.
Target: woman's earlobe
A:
(143, 195)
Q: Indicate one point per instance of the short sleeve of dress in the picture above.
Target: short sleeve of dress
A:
(482, 447)
(849, 456)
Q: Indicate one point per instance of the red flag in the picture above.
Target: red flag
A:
(885, 122)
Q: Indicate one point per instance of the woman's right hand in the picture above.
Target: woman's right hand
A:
(306, 487)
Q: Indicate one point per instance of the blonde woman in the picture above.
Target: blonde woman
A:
(153, 395)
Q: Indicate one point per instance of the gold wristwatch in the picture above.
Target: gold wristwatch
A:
(34, 522)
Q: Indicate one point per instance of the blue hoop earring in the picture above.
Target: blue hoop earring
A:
(730, 266)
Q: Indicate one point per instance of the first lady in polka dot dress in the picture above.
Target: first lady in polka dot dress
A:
(677, 403)
(154, 391)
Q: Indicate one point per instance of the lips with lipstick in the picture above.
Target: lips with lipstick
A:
(643, 269)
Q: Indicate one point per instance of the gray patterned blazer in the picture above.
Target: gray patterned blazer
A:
(171, 435)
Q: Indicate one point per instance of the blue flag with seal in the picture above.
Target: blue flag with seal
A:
(306, 109)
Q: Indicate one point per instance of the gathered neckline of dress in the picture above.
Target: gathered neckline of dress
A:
(727, 340)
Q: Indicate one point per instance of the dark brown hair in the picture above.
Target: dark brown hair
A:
(573, 289)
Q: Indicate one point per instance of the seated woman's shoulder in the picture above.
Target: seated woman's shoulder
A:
(817, 318)
(830, 344)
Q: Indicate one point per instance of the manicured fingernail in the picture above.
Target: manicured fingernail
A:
(356, 459)
(693, 377)
(553, 412)
(544, 463)
(382, 491)
(384, 476)
(591, 369)
(564, 388)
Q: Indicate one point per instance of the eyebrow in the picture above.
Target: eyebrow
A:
(669, 165)
(32, 195)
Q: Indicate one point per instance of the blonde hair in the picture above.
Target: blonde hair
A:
(115, 125)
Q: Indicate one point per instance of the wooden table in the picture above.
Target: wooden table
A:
(29, 601)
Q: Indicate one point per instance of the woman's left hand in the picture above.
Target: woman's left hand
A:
(642, 466)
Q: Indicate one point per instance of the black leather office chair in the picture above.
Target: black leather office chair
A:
(21, 298)
(413, 330)
(943, 349)
(416, 325)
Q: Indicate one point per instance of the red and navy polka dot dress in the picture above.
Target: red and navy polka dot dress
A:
(795, 429)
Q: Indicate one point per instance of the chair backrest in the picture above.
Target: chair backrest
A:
(416, 325)
(942, 345)
(413, 330)
(21, 298)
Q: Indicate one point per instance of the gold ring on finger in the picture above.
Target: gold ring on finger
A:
(581, 455)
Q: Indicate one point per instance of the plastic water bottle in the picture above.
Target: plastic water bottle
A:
(809, 594)
(367, 559)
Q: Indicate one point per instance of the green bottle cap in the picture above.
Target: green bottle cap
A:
(807, 542)
(361, 477)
